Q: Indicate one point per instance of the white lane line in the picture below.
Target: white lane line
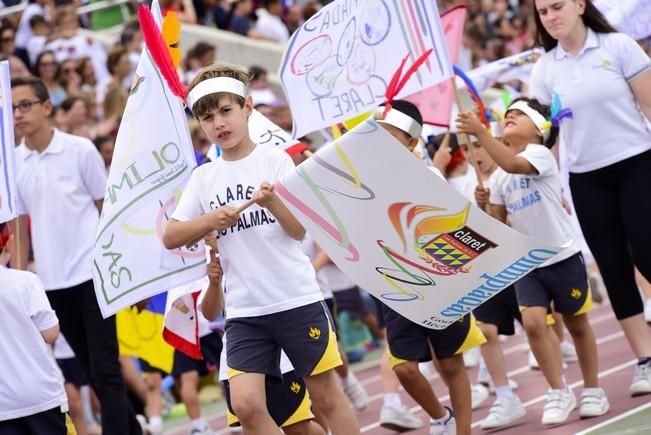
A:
(523, 369)
(614, 419)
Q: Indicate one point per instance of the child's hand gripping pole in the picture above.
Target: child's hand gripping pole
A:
(464, 137)
(248, 203)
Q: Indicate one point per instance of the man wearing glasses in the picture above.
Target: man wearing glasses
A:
(61, 181)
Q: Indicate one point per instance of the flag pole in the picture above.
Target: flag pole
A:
(464, 137)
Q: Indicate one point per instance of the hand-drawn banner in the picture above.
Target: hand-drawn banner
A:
(7, 148)
(152, 163)
(339, 62)
(426, 252)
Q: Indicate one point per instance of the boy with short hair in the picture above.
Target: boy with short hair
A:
(272, 298)
(409, 343)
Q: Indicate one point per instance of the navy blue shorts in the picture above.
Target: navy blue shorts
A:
(72, 372)
(306, 334)
(211, 348)
(147, 368)
(51, 422)
(564, 283)
(351, 300)
(500, 310)
(288, 402)
(379, 313)
(409, 341)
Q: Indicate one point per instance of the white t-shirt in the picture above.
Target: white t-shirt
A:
(337, 278)
(285, 364)
(272, 26)
(607, 124)
(30, 381)
(265, 270)
(58, 189)
(311, 249)
(533, 202)
(463, 183)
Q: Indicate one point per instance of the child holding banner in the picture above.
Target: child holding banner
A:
(288, 402)
(527, 191)
(495, 317)
(408, 343)
(273, 300)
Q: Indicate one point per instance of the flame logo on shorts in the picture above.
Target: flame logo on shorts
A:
(295, 387)
(315, 333)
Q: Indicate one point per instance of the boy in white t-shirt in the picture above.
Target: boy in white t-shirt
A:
(272, 296)
(409, 343)
(32, 398)
(527, 190)
(288, 402)
(494, 317)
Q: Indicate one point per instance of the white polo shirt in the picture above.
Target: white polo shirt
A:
(58, 189)
(608, 125)
(30, 381)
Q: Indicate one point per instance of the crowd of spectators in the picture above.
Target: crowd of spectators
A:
(89, 82)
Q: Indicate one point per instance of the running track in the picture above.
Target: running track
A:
(616, 366)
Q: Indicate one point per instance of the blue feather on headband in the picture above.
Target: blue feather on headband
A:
(557, 111)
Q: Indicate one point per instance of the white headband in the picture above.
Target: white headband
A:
(401, 121)
(216, 85)
(536, 117)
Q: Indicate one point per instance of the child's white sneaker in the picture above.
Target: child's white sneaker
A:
(593, 403)
(558, 406)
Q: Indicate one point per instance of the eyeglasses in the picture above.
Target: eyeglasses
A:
(7, 39)
(26, 106)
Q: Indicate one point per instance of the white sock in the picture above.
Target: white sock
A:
(155, 420)
(594, 390)
(346, 381)
(199, 423)
(392, 400)
(504, 392)
(442, 419)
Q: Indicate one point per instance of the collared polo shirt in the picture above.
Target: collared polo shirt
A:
(58, 189)
(607, 124)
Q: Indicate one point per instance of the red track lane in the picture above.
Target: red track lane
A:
(616, 365)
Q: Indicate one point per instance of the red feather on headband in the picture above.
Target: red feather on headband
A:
(398, 81)
(159, 52)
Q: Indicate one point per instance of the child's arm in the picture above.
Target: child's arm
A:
(498, 211)
(266, 197)
(213, 301)
(321, 259)
(469, 123)
(178, 233)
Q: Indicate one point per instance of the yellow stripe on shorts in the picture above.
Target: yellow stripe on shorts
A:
(331, 357)
(303, 412)
(474, 337)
